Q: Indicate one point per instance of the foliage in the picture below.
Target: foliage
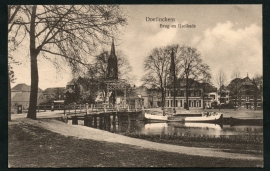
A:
(72, 32)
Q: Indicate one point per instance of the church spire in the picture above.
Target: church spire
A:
(113, 48)
(112, 67)
(172, 67)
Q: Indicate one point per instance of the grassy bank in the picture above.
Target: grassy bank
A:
(232, 145)
(32, 146)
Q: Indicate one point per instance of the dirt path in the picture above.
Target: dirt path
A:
(84, 132)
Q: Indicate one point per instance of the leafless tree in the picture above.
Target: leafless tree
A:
(191, 67)
(220, 80)
(13, 32)
(72, 32)
(258, 89)
(157, 70)
(237, 80)
(99, 67)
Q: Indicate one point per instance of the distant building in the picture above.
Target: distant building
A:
(195, 95)
(55, 93)
(154, 96)
(223, 95)
(20, 95)
(210, 95)
(20, 88)
(245, 93)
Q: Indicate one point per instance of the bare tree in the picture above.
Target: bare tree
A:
(13, 32)
(220, 80)
(157, 70)
(72, 32)
(99, 67)
(237, 80)
(192, 68)
(258, 89)
(206, 77)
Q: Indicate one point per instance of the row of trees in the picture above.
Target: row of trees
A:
(72, 32)
(188, 66)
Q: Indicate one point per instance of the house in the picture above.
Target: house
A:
(55, 93)
(154, 97)
(223, 95)
(210, 95)
(195, 95)
(19, 88)
(245, 93)
(20, 95)
(24, 98)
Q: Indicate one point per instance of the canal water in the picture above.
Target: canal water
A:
(184, 129)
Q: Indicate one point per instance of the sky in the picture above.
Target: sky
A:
(228, 37)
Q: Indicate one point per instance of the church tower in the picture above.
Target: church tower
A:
(172, 69)
(112, 68)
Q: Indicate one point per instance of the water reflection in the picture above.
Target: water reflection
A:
(181, 129)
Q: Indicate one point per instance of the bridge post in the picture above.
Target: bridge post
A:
(87, 108)
(95, 121)
(90, 121)
(75, 108)
(86, 121)
(52, 107)
(74, 120)
(100, 121)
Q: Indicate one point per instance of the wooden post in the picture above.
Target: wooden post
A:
(87, 108)
(74, 120)
(95, 121)
(128, 117)
(100, 121)
(52, 107)
(38, 108)
(64, 110)
(75, 108)
(90, 121)
(108, 121)
(114, 117)
(86, 121)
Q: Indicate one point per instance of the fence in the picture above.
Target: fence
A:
(84, 108)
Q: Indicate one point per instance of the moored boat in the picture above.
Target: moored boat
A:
(206, 117)
(154, 118)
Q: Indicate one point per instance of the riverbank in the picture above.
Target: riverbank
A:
(50, 143)
(239, 113)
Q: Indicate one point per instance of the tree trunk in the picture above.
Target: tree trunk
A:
(34, 87)
(162, 97)
(203, 97)
(219, 99)
(9, 100)
(187, 103)
(34, 68)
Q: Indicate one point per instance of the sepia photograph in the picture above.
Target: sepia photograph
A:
(135, 86)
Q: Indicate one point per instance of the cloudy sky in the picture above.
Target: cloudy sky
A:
(227, 36)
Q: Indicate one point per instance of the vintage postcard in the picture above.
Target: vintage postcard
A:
(135, 86)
